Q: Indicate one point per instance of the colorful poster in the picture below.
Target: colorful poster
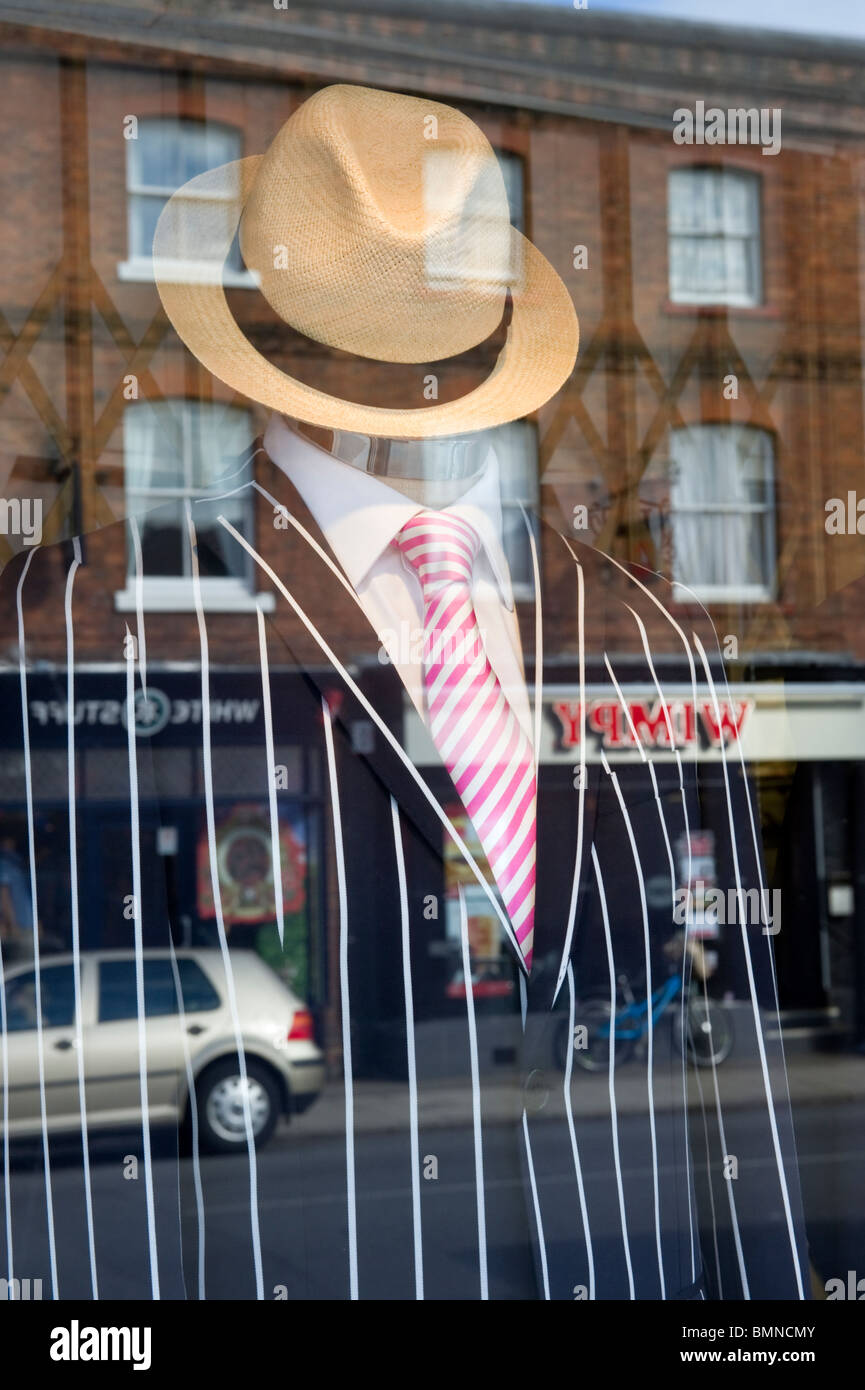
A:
(245, 866)
(489, 965)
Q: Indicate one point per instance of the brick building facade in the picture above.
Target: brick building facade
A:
(690, 356)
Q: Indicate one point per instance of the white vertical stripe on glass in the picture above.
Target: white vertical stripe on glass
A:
(569, 1111)
(410, 1049)
(782, 1176)
(763, 895)
(34, 904)
(614, 1116)
(581, 790)
(476, 1101)
(139, 602)
(660, 809)
(275, 854)
(135, 846)
(72, 813)
(682, 995)
(539, 638)
(345, 1002)
(731, 1198)
(749, 966)
(207, 765)
(539, 1224)
(710, 1185)
(537, 1208)
(193, 1118)
(650, 1022)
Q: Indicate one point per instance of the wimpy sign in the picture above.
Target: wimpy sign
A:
(616, 726)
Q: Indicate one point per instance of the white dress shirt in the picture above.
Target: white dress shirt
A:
(360, 515)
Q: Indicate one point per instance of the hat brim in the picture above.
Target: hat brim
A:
(537, 358)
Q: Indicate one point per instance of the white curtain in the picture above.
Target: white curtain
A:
(721, 499)
(186, 445)
(714, 235)
(178, 449)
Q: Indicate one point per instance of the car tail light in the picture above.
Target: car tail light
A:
(301, 1029)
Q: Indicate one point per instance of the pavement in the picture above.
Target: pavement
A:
(382, 1106)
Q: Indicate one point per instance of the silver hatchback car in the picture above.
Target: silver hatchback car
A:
(187, 1046)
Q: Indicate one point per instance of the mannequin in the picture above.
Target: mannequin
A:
(432, 472)
(455, 471)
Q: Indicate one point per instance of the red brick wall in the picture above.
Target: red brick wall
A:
(587, 182)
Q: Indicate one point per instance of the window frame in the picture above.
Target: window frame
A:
(729, 299)
(721, 593)
(513, 160)
(139, 266)
(174, 593)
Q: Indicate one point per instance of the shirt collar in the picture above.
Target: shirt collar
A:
(360, 514)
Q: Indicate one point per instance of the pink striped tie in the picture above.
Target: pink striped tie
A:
(474, 728)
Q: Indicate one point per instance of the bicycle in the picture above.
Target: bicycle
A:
(703, 1030)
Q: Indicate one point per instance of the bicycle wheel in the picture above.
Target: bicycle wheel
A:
(709, 1031)
(592, 1047)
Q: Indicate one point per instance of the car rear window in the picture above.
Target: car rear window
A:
(117, 994)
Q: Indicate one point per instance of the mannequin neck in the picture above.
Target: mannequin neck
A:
(431, 472)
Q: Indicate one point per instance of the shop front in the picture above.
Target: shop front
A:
(177, 891)
(803, 744)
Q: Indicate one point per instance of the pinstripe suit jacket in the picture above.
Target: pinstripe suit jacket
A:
(499, 1169)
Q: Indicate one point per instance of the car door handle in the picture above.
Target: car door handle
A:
(196, 1028)
(64, 1044)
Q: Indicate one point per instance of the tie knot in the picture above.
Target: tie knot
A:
(441, 549)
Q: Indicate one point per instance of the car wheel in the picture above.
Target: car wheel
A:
(222, 1094)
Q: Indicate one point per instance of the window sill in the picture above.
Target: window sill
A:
(140, 271)
(715, 596)
(694, 309)
(179, 598)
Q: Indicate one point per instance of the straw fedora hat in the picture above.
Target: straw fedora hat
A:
(378, 224)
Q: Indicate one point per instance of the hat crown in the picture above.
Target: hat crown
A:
(379, 224)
